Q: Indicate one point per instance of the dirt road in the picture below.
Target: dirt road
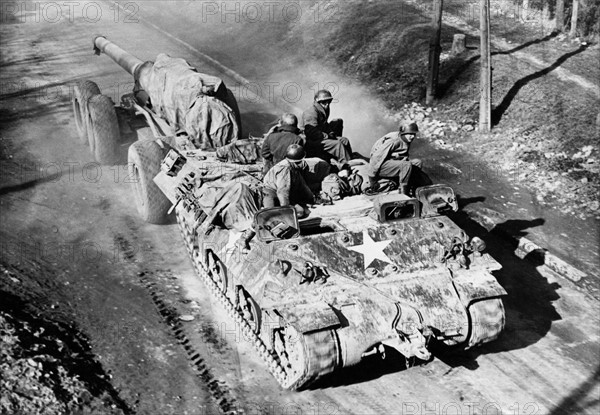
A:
(129, 282)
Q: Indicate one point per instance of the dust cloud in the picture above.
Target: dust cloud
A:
(265, 43)
(365, 117)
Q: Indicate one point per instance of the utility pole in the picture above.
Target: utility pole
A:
(434, 52)
(560, 15)
(485, 82)
(574, 14)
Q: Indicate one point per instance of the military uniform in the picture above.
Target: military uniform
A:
(275, 145)
(318, 142)
(314, 173)
(284, 185)
(382, 165)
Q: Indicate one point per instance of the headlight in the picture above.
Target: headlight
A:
(477, 244)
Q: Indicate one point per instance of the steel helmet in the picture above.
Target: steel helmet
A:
(323, 95)
(411, 128)
(295, 152)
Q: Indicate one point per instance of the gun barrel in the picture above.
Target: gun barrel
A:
(125, 59)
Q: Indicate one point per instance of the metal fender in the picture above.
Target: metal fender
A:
(477, 287)
(310, 317)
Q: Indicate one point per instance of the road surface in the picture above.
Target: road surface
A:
(129, 281)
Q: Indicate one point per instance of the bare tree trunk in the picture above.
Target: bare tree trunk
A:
(573, 31)
(545, 16)
(546, 10)
(524, 10)
(485, 83)
(560, 15)
(434, 52)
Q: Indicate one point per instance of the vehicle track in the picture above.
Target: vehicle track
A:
(219, 391)
(390, 389)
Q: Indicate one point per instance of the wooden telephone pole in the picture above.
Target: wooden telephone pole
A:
(485, 83)
(434, 52)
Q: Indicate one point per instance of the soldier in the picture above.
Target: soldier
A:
(275, 146)
(321, 139)
(284, 184)
(390, 160)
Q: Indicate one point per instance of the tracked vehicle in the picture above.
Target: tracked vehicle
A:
(352, 279)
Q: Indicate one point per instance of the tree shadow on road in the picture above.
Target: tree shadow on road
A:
(29, 184)
(527, 44)
(576, 402)
(458, 68)
(501, 108)
(528, 304)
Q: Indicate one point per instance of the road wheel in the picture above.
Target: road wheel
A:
(82, 92)
(487, 321)
(144, 159)
(103, 129)
(217, 270)
(250, 309)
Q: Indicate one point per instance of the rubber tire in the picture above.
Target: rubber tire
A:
(82, 93)
(486, 321)
(144, 158)
(145, 133)
(103, 129)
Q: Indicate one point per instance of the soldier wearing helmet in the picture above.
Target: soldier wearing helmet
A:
(323, 140)
(390, 160)
(284, 183)
(275, 146)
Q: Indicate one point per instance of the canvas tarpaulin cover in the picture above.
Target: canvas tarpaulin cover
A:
(234, 203)
(188, 100)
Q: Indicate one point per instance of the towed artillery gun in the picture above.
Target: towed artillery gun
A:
(367, 274)
(172, 105)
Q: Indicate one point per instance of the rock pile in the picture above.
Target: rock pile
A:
(430, 127)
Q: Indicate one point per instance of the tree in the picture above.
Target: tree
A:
(560, 15)
(485, 82)
(525, 10)
(573, 31)
(545, 10)
(434, 52)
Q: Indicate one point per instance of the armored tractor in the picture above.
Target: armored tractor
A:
(351, 279)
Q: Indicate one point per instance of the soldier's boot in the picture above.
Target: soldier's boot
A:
(373, 186)
(403, 189)
(244, 241)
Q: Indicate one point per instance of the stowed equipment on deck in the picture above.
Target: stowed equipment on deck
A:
(171, 105)
(355, 278)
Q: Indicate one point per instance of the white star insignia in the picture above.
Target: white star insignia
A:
(372, 250)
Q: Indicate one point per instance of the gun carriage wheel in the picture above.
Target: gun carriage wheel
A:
(103, 129)
(144, 159)
(82, 93)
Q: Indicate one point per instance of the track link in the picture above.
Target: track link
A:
(273, 364)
